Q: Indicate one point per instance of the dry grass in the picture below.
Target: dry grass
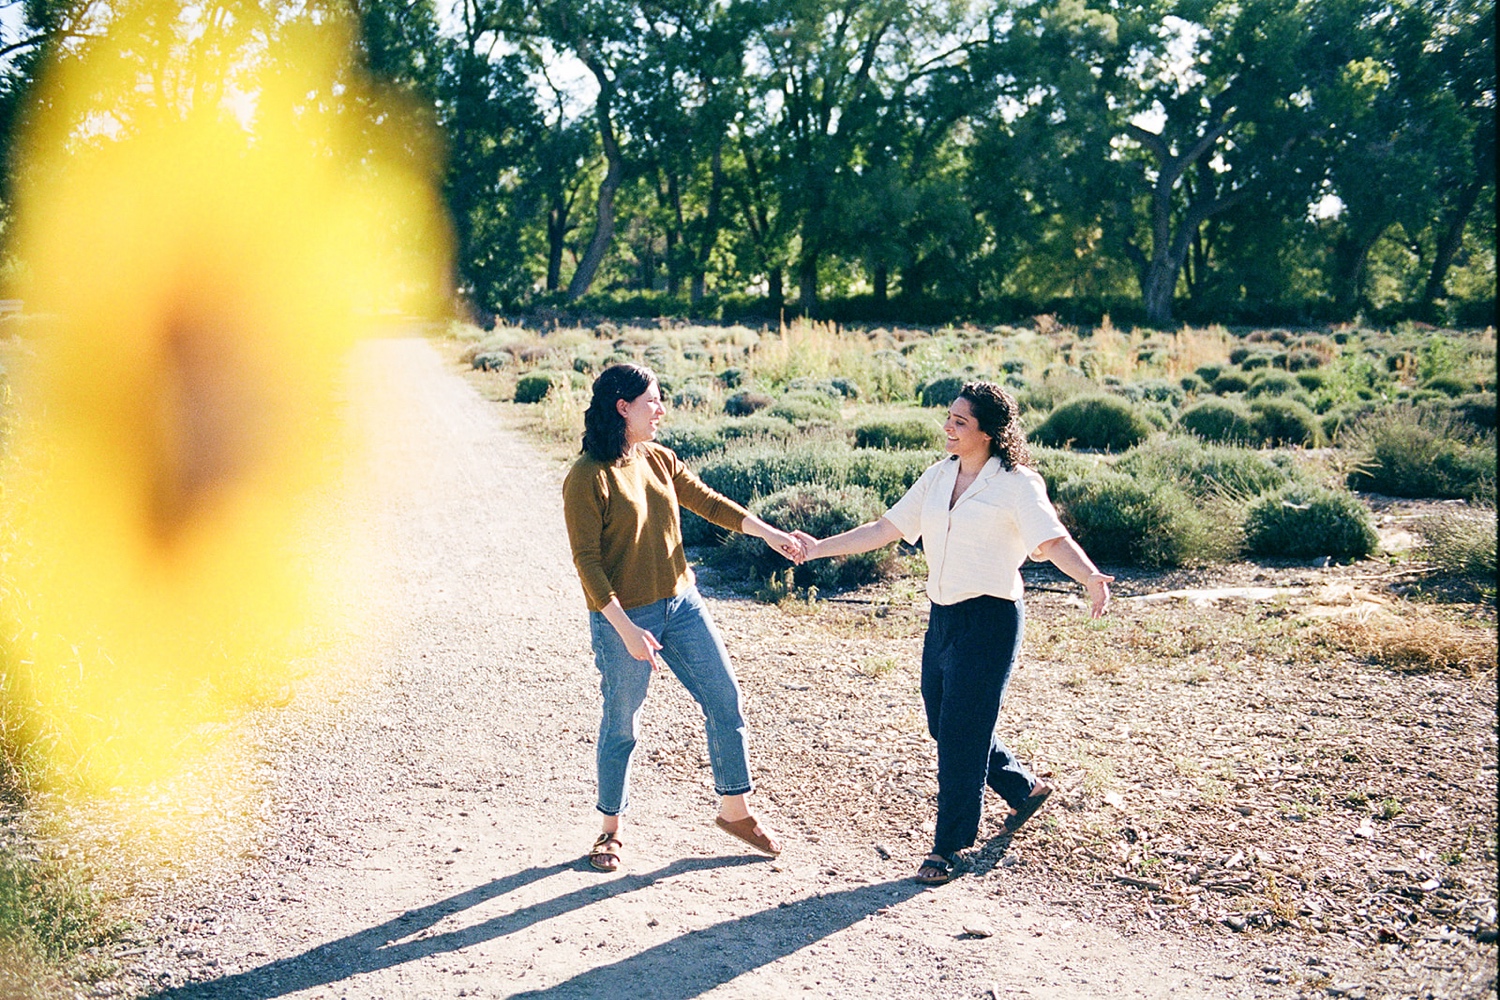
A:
(1418, 643)
(1460, 541)
(809, 349)
(1194, 348)
(559, 416)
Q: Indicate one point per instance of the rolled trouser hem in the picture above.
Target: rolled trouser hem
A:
(617, 812)
(739, 790)
(951, 852)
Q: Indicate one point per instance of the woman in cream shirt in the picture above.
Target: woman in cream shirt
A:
(980, 513)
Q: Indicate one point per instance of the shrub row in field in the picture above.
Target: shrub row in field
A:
(697, 439)
(1206, 471)
(1121, 520)
(904, 433)
(534, 386)
(1171, 502)
(693, 440)
(1178, 503)
(1105, 422)
(1301, 521)
(761, 469)
(800, 395)
(752, 472)
(1263, 399)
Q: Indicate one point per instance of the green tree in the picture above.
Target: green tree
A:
(561, 179)
(906, 204)
(1225, 79)
(602, 36)
(24, 48)
(1055, 195)
(1463, 65)
(1386, 135)
(844, 144)
(690, 62)
(498, 147)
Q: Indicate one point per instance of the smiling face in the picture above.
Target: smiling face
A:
(965, 439)
(642, 414)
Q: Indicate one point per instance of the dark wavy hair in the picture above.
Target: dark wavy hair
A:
(603, 427)
(996, 412)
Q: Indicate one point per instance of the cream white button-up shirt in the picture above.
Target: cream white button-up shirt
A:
(978, 546)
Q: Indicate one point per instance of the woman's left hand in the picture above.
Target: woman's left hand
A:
(789, 546)
(1098, 587)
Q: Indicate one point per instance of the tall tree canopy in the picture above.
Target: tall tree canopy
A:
(1209, 159)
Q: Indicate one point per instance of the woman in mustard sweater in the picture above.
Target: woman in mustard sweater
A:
(621, 501)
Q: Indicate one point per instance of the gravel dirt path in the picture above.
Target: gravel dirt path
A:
(429, 812)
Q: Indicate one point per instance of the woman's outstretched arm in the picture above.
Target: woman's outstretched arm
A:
(868, 536)
(1064, 553)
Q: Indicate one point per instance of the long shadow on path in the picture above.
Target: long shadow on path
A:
(696, 962)
(377, 947)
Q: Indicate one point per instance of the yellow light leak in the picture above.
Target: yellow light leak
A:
(197, 272)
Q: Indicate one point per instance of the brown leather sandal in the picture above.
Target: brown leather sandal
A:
(746, 830)
(604, 857)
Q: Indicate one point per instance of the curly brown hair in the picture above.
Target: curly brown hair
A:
(996, 412)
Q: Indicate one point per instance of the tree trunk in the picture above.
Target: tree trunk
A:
(710, 223)
(1158, 276)
(645, 274)
(1157, 294)
(605, 229)
(674, 236)
(807, 282)
(1448, 244)
(557, 233)
(757, 219)
(674, 279)
(1161, 271)
(882, 281)
(1195, 268)
(1349, 255)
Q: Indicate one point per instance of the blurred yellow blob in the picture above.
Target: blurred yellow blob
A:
(209, 214)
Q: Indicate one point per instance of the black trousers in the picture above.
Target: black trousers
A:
(967, 659)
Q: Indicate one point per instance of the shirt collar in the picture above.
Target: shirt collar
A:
(988, 471)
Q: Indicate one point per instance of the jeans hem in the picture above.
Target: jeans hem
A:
(618, 812)
(746, 790)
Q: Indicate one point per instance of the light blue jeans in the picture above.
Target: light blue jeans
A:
(692, 647)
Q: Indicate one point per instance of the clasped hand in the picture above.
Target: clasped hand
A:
(789, 545)
(809, 544)
(798, 546)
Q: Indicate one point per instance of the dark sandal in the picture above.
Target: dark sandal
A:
(744, 829)
(942, 871)
(602, 856)
(1028, 806)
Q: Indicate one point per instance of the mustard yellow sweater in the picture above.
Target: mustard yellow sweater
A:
(624, 526)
